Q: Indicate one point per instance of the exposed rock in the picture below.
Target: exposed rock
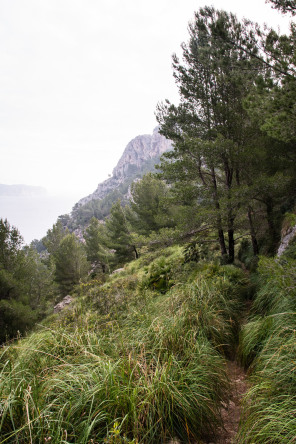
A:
(119, 270)
(286, 239)
(64, 303)
(139, 150)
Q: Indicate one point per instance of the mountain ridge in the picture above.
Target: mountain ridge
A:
(139, 150)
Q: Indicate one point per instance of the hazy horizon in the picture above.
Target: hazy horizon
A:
(33, 216)
(79, 80)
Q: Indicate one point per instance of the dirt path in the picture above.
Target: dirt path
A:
(231, 412)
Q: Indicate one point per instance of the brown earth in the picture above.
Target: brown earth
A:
(231, 412)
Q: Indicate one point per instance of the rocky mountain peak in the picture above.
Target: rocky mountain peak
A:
(138, 151)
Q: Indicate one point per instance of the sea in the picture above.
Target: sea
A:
(34, 215)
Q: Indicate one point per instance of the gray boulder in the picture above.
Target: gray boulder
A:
(64, 303)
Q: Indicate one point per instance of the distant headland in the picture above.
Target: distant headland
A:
(21, 190)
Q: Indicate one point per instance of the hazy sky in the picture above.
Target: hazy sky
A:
(80, 78)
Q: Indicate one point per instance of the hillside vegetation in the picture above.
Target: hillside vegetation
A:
(127, 362)
(178, 282)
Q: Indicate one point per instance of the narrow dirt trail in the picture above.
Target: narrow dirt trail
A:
(231, 412)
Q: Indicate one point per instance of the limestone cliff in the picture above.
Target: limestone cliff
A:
(139, 151)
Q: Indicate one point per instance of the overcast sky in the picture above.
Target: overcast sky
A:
(80, 78)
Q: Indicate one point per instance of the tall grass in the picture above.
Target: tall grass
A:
(78, 395)
(148, 372)
(269, 343)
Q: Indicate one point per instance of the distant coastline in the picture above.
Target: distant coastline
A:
(21, 190)
(33, 215)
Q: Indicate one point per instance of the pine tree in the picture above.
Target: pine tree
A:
(150, 205)
(210, 126)
(119, 236)
(54, 237)
(26, 284)
(71, 263)
(284, 5)
(95, 245)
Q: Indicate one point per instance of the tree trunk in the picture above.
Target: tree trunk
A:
(219, 219)
(231, 242)
(253, 233)
(273, 235)
(230, 235)
(228, 171)
(222, 242)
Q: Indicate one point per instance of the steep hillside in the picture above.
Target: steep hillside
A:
(139, 157)
(126, 362)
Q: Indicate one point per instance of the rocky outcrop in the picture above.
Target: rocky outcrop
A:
(64, 303)
(289, 234)
(137, 152)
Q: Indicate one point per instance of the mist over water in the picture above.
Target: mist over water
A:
(33, 216)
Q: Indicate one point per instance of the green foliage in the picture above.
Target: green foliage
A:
(70, 262)
(16, 317)
(115, 437)
(54, 237)
(10, 243)
(98, 208)
(246, 255)
(159, 275)
(150, 205)
(149, 373)
(284, 5)
(26, 284)
(271, 104)
(119, 235)
(233, 163)
(268, 341)
(195, 251)
(95, 246)
(162, 272)
(38, 245)
(114, 297)
(211, 130)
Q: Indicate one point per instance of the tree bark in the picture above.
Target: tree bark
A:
(222, 242)
(136, 253)
(228, 180)
(219, 219)
(274, 237)
(253, 233)
(231, 242)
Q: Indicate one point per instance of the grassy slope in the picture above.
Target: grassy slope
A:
(140, 357)
(268, 344)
